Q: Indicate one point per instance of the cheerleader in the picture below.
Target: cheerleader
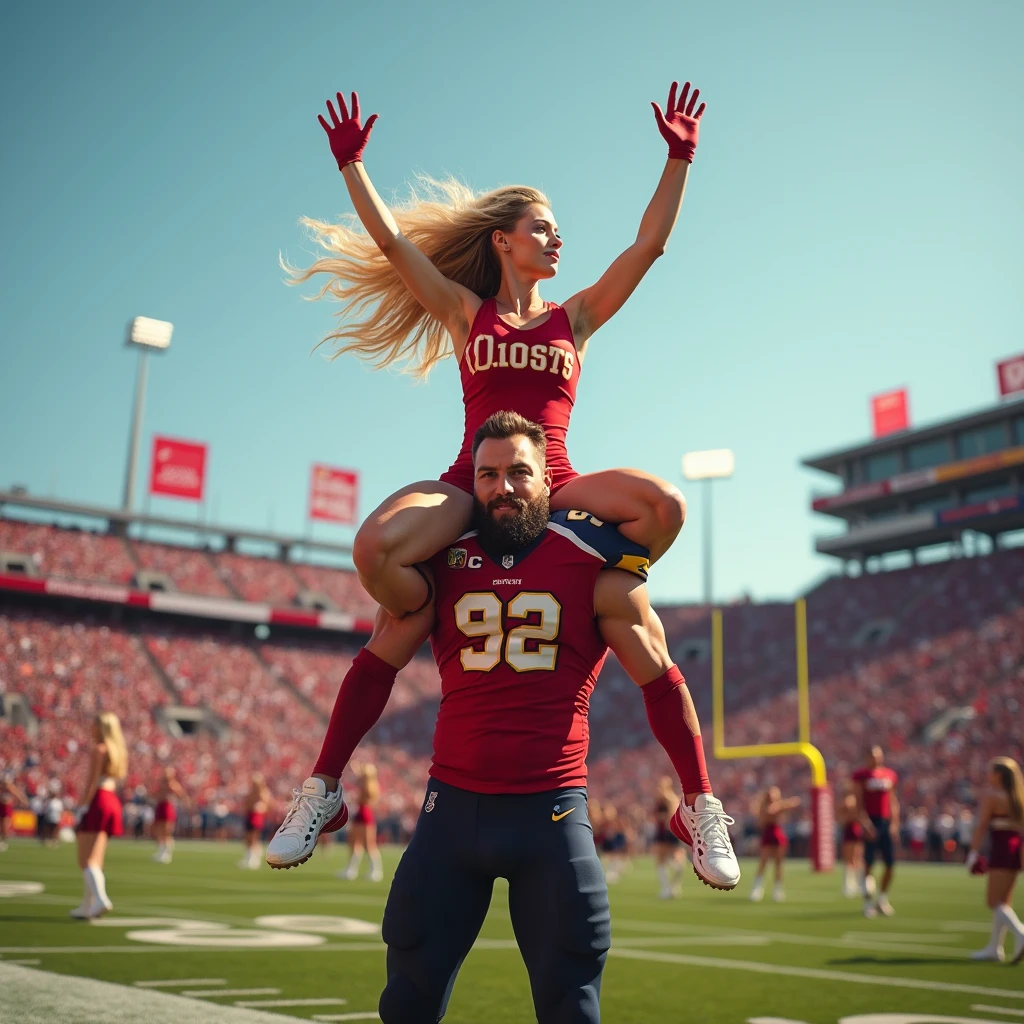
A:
(108, 765)
(165, 814)
(669, 855)
(256, 802)
(770, 808)
(362, 829)
(852, 845)
(1002, 814)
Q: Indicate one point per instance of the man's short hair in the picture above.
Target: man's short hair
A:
(505, 424)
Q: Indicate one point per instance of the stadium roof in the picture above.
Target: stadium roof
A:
(122, 518)
(829, 462)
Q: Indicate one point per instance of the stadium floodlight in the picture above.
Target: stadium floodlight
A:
(146, 335)
(150, 333)
(710, 465)
(713, 464)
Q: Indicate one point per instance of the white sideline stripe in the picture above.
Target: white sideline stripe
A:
(372, 1015)
(179, 982)
(817, 974)
(24, 963)
(327, 947)
(41, 997)
(984, 1007)
(876, 935)
(203, 993)
(293, 1002)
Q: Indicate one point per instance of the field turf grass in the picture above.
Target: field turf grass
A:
(707, 957)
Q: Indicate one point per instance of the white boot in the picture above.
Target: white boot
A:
(757, 893)
(351, 873)
(376, 867)
(1009, 918)
(97, 883)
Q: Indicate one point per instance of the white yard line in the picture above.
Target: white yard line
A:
(205, 993)
(24, 963)
(179, 982)
(253, 1003)
(985, 1008)
(755, 967)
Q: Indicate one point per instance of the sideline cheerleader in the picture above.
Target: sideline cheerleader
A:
(770, 808)
(362, 829)
(1002, 815)
(108, 765)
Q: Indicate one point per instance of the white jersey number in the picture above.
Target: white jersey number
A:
(481, 614)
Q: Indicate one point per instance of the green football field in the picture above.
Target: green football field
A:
(193, 939)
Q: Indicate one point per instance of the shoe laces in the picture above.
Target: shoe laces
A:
(713, 827)
(301, 813)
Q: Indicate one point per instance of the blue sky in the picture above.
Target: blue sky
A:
(854, 223)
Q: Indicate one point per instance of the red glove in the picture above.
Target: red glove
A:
(679, 124)
(976, 863)
(348, 137)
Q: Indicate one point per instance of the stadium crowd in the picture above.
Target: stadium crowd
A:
(927, 661)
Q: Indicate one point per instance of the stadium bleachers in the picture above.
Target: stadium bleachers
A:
(928, 661)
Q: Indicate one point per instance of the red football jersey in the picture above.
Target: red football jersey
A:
(535, 372)
(518, 648)
(877, 784)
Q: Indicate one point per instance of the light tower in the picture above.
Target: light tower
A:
(715, 464)
(145, 334)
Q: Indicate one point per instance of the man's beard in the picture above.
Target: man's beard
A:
(507, 534)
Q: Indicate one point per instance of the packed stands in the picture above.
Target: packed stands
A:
(259, 579)
(927, 661)
(191, 571)
(69, 554)
(341, 586)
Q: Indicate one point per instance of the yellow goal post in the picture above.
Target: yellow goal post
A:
(822, 808)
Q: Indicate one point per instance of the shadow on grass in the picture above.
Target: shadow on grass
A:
(901, 961)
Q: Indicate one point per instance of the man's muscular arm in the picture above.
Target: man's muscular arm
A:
(632, 629)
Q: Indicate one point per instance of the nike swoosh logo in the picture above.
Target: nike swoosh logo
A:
(559, 817)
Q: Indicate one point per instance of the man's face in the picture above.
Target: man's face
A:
(512, 490)
(875, 757)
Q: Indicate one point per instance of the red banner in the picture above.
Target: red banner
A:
(333, 494)
(889, 412)
(177, 469)
(1011, 375)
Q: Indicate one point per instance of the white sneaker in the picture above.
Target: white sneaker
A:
(99, 909)
(377, 875)
(988, 953)
(870, 910)
(778, 894)
(81, 912)
(704, 830)
(884, 906)
(313, 811)
(665, 894)
(757, 894)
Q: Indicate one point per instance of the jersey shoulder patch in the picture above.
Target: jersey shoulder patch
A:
(603, 540)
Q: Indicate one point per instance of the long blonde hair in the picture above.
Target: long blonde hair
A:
(370, 783)
(380, 320)
(1012, 782)
(113, 739)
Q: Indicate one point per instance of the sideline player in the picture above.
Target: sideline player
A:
(852, 845)
(362, 828)
(521, 621)
(770, 808)
(10, 796)
(108, 765)
(878, 811)
(669, 856)
(460, 274)
(257, 800)
(165, 814)
(1002, 814)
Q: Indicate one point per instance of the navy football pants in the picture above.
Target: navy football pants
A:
(557, 896)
